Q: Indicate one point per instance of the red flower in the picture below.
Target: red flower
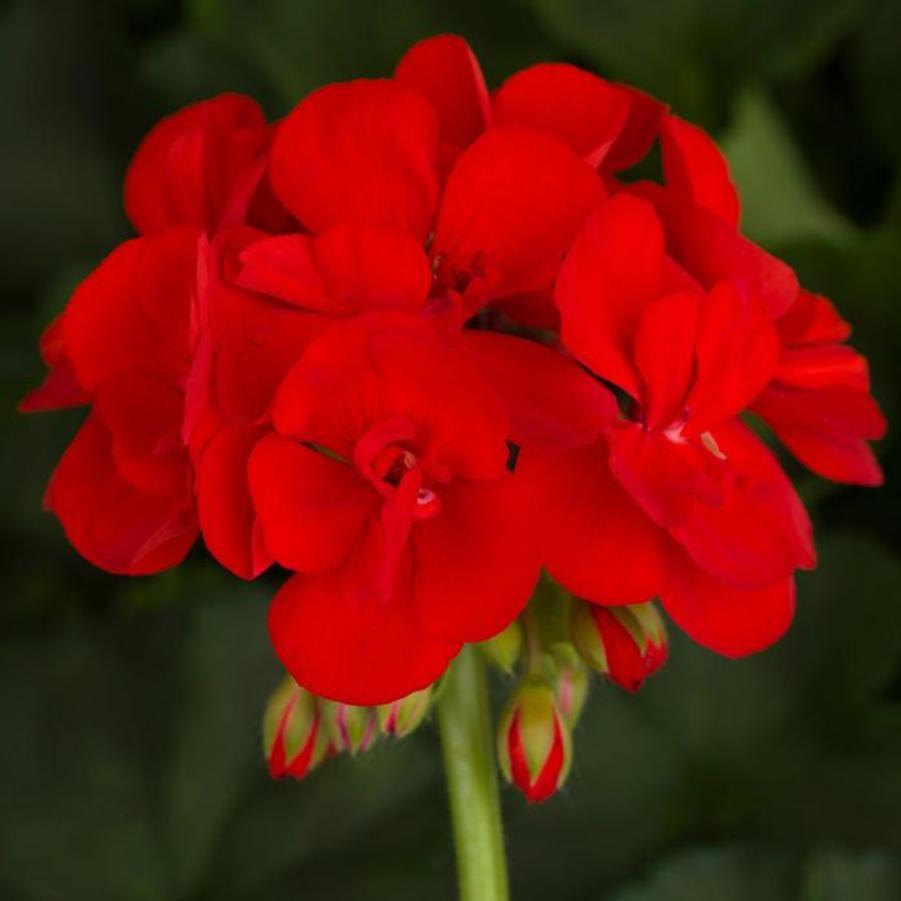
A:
(386, 488)
(693, 507)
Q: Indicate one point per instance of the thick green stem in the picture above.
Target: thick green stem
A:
(467, 740)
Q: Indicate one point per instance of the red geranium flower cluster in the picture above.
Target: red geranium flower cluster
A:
(417, 340)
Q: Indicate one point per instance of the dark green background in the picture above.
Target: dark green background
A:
(129, 710)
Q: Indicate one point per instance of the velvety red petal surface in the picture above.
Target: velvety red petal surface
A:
(665, 474)
(349, 268)
(476, 563)
(381, 366)
(584, 111)
(60, 388)
(341, 643)
(827, 429)
(612, 271)
(312, 509)
(728, 620)
(736, 352)
(639, 130)
(445, 71)
(553, 404)
(362, 150)
(713, 251)
(512, 204)
(134, 311)
(761, 532)
(664, 355)
(111, 523)
(695, 166)
(596, 541)
(194, 163)
(228, 519)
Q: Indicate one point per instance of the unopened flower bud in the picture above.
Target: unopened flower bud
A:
(401, 717)
(351, 729)
(571, 683)
(627, 644)
(504, 650)
(292, 731)
(533, 741)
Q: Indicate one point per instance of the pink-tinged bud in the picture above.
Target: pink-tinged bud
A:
(351, 729)
(534, 748)
(627, 644)
(401, 717)
(505, 649)
(571, 683)
(292, 731)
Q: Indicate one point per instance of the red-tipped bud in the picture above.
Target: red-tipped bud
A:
(571, 683)
(292, 731)
(504, 650)
(401, 717)
(627, 644)
(533, 741)
(351, 729)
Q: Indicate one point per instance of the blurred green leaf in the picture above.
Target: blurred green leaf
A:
(694, 56)
(780, 202)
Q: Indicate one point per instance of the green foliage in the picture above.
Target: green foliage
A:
(130, 765)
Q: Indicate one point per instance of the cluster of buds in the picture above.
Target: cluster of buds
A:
(300, 730)
(553, 645)
(560, 639)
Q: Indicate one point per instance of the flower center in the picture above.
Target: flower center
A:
(385, 456)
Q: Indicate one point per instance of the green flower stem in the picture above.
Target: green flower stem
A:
(467, 740)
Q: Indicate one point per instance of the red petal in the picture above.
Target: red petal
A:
(737, 349)
(60, 388)
(812, 319)
(193, 164)
(664, 355)
(312, 509)
(342, 644)
(476, 562)
(349, 268)
(827, 429)
(363, 150)
(134, 312)
(664, 473)
(596, 541)
(109, 522)
(512, 205)
(728, 620)
(640, 129)
(584, 111)
(553, 404)
(612, 272)
(144, 415)
(713, 251)
(695, 166)
(761, 532)
(227, 517)
(445, 70)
